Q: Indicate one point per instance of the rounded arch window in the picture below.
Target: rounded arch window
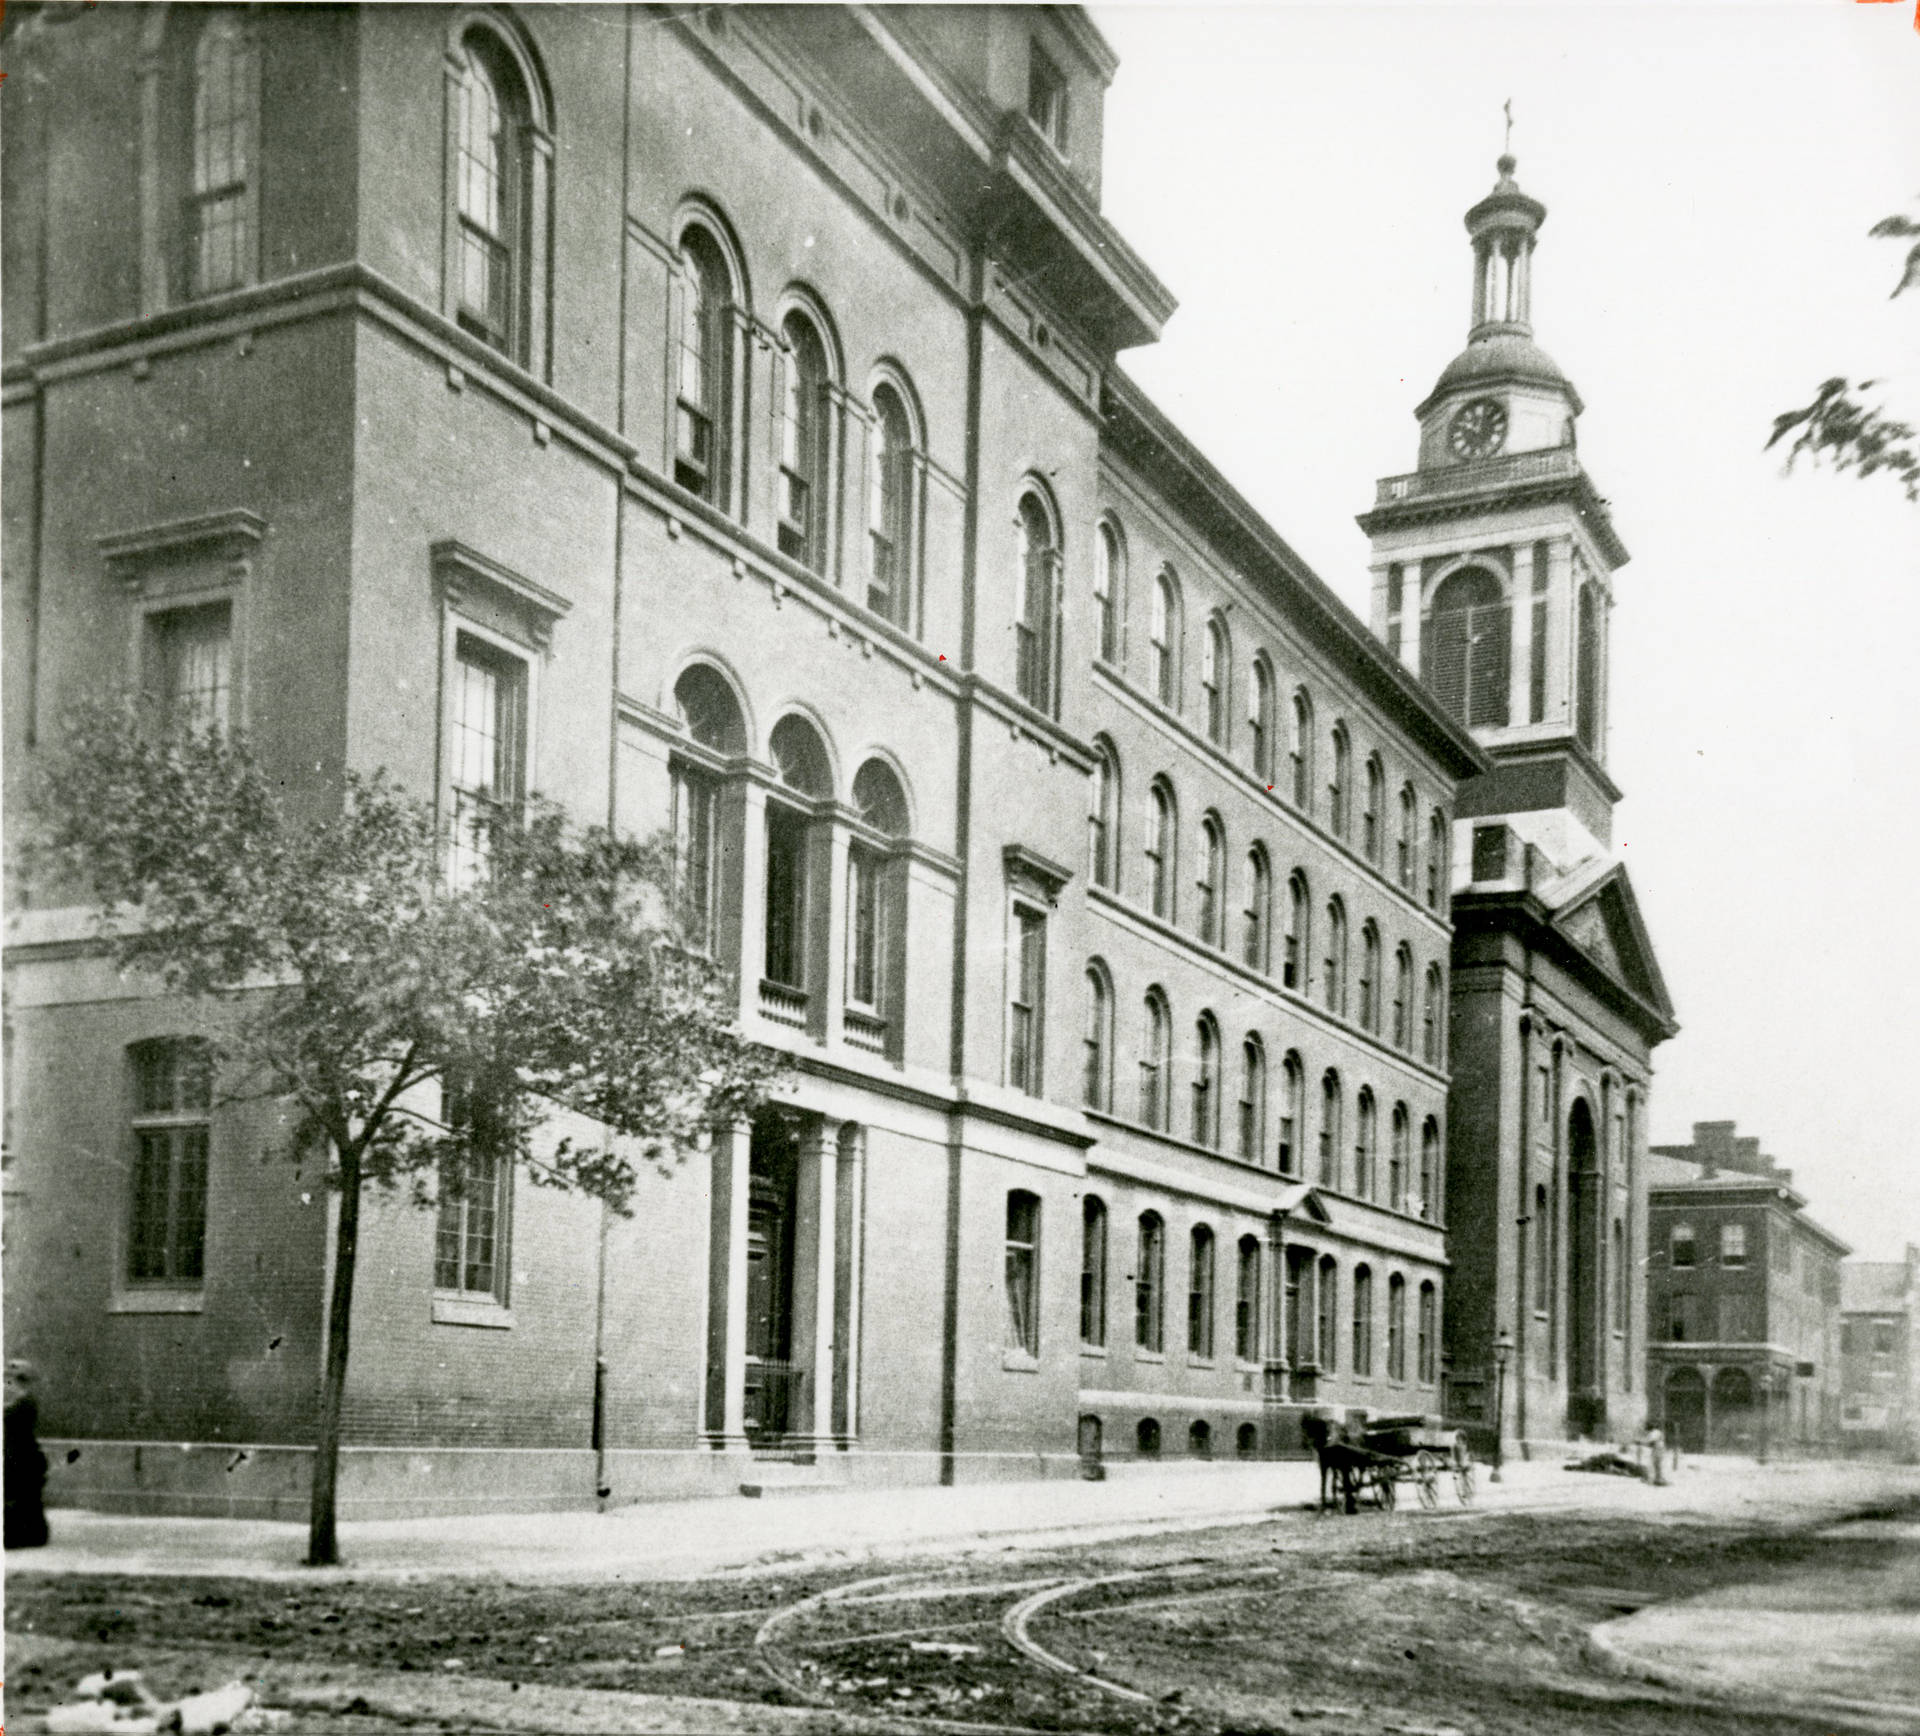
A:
(1036, 617)
(890, 506)
(1200, 1438)
(1466, 656)
(500, 182)
(703, 380)
(1216, 662)
(1106, 590)
(1147, 1437)
(800, 758)
(879, 800)
(802, 400)
(707, 706)
(1165, 638)
(1103, 813)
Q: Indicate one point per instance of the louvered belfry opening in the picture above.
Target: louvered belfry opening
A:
(1468, 636)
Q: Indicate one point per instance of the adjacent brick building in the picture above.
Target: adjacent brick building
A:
(1743, 1301)
(1880, 1355)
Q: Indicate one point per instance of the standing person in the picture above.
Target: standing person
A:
(25, 1464)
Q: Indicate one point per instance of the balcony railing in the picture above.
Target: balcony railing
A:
(783, 1004)
(866, 1031)
(1487, 474)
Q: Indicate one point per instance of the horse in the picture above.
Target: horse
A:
(1341, 1461)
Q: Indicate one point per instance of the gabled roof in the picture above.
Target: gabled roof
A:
(1593, 906)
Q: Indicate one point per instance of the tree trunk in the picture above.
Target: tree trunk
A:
(323, 1543)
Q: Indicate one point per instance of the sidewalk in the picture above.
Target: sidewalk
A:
(689, 1539)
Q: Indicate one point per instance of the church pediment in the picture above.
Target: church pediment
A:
(1602, 919)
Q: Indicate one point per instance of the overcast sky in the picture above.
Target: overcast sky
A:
(1297, 174)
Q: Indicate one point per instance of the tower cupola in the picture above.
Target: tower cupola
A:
(1503, 226)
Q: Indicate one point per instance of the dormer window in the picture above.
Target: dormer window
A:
(1047, 98)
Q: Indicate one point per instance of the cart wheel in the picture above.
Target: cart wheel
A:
(1426, 1472)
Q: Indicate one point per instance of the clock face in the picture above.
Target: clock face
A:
(1478, 430)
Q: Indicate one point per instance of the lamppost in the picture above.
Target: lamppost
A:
(1502, 1355)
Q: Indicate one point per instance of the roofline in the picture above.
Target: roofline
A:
(1589, 506)
(1137, 422)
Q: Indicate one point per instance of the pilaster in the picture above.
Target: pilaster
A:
(723, 1421)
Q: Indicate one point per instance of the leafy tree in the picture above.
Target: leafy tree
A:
(333, 966)
(1843, 429)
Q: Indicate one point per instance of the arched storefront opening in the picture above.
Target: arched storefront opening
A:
(1736, 1423)
(1686, 1410)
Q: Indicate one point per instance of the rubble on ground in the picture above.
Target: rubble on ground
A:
(119, 1703)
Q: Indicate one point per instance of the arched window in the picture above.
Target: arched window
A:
(1211, 921)
(1438, 863)
(1293, 1088)
(1402, 996)
(1373, 820)
(1340, 783)
(1430, 1018)
(1246, 1302)
(1215, 663)
(1103, 841)
(1293, 967)
(1246, 1442)
(1093, 1270)
(1257, 918)
(1399, 1158)
(1465, 654)
(1363, 1321)
(1396, 1327)
(1369, 1009)
(222, 199)
(1587, 691)
(874, 891)
(1542, 1228)
(1300, 752)
(1330, 1134)
(1430, 1169)
(800, 761)
(1327, 1326)
(1096, 1076)
(891, 512)
(1165, 636)
(1200, 1438)
(1147, 1438)
(1149, 1285)
(1253, 1099)
(1160, 857)
(1106, 592)
(804, 446)
(1409, 829)
(1618, 1289)
(1200, 1293)
(1036, 621)
(1427, 1360)
(703, 400)
(1156, 1063)
(1366, 1136)
(711, 715)
(1335, 980)
(501, 169)
(1260, 720)
(1206, 1082)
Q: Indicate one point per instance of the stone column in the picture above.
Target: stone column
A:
(827, 929)
(850, 1213)
(1559, 706)
(1413, 615)
(723, 1422)
(751, 897)
(815, 1273)
(1274, 1372)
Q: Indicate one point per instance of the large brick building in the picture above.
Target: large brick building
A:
(1743, 1301)
(709, 417)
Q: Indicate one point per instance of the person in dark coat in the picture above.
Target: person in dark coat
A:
(25, 1464)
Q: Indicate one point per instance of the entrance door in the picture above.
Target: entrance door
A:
(1686, 1410)
(771, 1404)
(1586, 1400)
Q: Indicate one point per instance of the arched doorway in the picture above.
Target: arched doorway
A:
(1586, 1394)
(1735, 1426)
(1686, 1410)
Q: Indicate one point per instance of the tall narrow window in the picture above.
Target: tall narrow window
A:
(1293, 967)
(1409, 829)
(1246, 1302)
(190, 664)
(1438, 863)
(800, 759)
(1206, 1082)
(1046, 97)
(488, 186)
(1097, 1043)
(1396, 1327)
(1681, 1246)
(1213, 853)
(1430, 1169)
(1200, 1292)
(173, 1109)
(695, 850)
(703, 383)
(1542, 1229)
(1426, 1365)
(1733, 1244)
(1430, 1018)
(1587, 707)
(1292, 1104)
(475, 1194)
(1038, 612)
(1465, 655)
(1025, 1028)
(1617, 1290)
(1093, 1271)
(1373, 821)
(221, 245)
(1023, 1272)
(1402, 996)
(803, 442)
(1340, 783)
(1253, 1099)
(1165, 638)
(1330, 1131)
(1396, 608)
(1363, 1321)
(890, 508)
(1334, 980)
(1368, 1011)
(1106, 588)
(1103, 805)
(1300, 754)
(1260, 721)
(1256, 951)
(1160, 835)
(485, 753)
(871, 894)
(1327, 1305)
(1366, 1135)
(1399, 1158)
(1156, 1063)
(1215, 661)
(1149, 1284)
(1537, 666)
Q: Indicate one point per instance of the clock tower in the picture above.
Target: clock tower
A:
(1493, 566)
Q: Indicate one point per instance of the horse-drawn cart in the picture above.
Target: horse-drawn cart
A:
(1365, 1455)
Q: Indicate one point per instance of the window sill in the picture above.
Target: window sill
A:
(157, 1302)
(1019, 1362)
(1200, 1361)
(471, 1311)
(1097, 1352)
(1143, 1355)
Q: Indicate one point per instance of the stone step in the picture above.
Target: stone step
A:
(772, 1477)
